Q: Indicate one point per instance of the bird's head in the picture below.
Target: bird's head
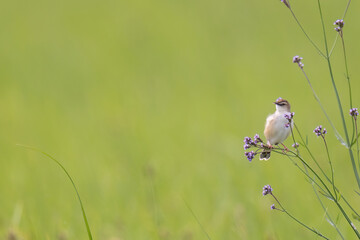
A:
(282, 105)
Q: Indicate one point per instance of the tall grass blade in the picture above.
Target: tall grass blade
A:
(71, 180)
(197, 220)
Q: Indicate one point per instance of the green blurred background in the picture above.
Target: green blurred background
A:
(146, 103)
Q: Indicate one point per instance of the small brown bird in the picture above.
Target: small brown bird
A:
(276, 127)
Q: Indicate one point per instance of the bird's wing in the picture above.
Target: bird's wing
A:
(269, 127)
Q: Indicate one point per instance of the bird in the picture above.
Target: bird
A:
(277, 127)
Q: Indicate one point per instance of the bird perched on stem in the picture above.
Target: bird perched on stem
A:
(277, 127)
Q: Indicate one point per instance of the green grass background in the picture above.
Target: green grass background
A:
(146, 103)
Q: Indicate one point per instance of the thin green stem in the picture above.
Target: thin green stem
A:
(306, 174)
(338, 100)
(301, 223)
(313, 182)
(338, 136)
(307, 36)
(331, 195)
(310, 153)
(327, 178)
(357, 142)
(346, 68)
(325, 210)
(331, 166)
(337, 35)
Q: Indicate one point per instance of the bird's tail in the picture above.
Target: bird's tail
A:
(265, 154)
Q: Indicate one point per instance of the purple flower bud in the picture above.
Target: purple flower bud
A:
(287, 116)
(267, 190)
(272, 207)
(354, 112)
(295, 145)
(286, 3)
(297, 59)
(338, 29)
(246, 146)
(319, 131)
(339, 23)
(250, 155)
(257, 139)
(247, 140)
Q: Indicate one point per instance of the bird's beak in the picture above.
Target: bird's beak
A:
(274, 103)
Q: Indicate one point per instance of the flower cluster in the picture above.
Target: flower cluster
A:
(340, 24)
(319, 131)
(289, 117)
(267, 190)
(250, 155)
(248, 143)
(297, 60)
(354, 112)
(272, 207)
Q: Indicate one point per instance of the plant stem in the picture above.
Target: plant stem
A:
(307, 36)
(331, 195)
(307, 227)
(313, 182)
(337, 35)
(346, 68)
(338, 100)
(327, 178)
(357, 142)
(331, 166)
(338, 136)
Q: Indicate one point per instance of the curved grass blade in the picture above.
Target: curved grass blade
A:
(197, 220)
(71, 180)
